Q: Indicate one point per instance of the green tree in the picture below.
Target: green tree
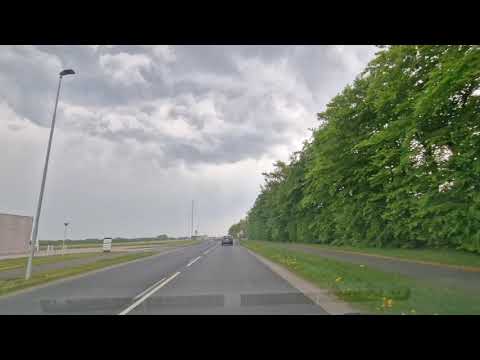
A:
(394, 162)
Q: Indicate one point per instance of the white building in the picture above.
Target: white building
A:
(15, 234)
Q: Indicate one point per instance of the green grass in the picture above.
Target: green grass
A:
(164, 242)
(10, 264)
(10, 285)
(180, 242)
(369, 289)
(441, 256)
(128, 244)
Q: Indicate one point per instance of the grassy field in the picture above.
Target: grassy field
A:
(7, 286)
(368, 289)
(9, 264)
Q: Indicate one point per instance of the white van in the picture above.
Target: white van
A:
(107, 244)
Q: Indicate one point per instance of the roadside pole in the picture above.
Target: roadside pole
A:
(64, 236)
(34, 243)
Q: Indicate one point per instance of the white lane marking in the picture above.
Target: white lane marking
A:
(210, 249)
(150, 293)
(148, 289)
(193, 261)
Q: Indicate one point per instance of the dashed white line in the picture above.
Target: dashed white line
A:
(148, 289)
(210, 249)
(150, 293)
(193, 261)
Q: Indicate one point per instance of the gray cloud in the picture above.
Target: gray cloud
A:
(136, 113)
(241, 84)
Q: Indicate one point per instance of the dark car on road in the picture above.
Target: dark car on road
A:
(227, 240)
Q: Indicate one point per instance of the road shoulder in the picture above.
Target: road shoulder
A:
(321, 297)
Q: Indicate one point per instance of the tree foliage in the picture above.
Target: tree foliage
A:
(238, 230)
(395, 160)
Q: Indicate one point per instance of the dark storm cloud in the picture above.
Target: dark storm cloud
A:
(113, 78)
(267, 94)
(238, 83)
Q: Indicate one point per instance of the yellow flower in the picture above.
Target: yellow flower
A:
(389, 302)
(338, 279)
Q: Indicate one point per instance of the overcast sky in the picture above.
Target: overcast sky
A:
(143, 130)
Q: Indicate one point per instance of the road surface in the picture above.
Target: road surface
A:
(201, 279)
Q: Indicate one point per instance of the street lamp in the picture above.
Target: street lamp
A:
(33, 242)
(64, 236)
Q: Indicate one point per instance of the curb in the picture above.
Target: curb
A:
(321, 297)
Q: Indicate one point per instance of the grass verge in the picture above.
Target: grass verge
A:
(15, 263)
(439, 256)
(369, 289)
(11, 285)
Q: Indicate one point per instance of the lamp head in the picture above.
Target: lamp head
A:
(67, 72)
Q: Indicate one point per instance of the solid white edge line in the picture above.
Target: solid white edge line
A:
(194, 261)
(148, 289)
(150, 293)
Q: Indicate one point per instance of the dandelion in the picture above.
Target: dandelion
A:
(385, 302)
(338, 279)
(390, 303)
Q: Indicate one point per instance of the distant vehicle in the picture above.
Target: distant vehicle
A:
(107, 244)
(227, 240)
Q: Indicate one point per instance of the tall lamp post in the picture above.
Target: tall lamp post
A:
(191, 229)
(34, 240)
(65, 235)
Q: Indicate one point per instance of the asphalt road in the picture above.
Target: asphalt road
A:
(200, 279)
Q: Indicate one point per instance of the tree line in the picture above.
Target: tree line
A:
(395, 160)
